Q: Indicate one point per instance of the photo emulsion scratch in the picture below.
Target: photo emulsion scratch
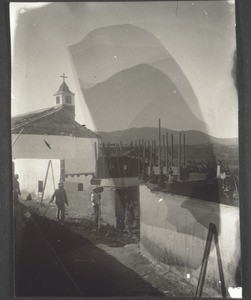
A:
(125, 149)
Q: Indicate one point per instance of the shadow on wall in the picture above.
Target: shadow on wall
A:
(204, 213)
(197, 226)
(178, 213)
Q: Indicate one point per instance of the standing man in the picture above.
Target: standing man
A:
(129, 215)
(61, 200)
(170, 175)
(95, 199)
(17, 218)
(16, 189)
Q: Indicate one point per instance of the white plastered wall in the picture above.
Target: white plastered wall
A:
(30, 171)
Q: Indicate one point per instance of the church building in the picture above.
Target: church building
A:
(49, 145)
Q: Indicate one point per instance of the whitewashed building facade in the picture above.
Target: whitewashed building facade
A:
(52, 134)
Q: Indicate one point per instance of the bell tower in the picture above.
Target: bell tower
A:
(64, 97)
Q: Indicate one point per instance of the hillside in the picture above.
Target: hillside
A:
(200, 147)
(193, 137)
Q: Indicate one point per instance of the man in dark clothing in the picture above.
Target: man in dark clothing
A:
(61, 200)
(16, 189)
(129, 215)
(95, 199)
(18, 222)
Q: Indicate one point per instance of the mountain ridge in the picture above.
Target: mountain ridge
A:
(193, 137)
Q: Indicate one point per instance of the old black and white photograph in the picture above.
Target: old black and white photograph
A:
(125, 149)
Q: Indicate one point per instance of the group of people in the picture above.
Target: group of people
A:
(61, 201)
(129, 218)
(129, 215)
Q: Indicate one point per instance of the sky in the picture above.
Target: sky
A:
(199, 36)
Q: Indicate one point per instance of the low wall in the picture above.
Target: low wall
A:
(120, 182)
(173, 230)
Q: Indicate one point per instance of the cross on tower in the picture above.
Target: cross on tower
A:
(63, 76)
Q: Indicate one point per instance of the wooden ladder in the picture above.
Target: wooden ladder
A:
(212, 232)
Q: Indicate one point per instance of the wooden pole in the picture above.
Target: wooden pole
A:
(167, 152)
(130, 173)
(103, 161)
(164, 151)
(160, 165)
(221, 273)
(122, 159)
(155, 152)
(204, 263)
(53, 179)
(109, 149)
(171, 149)
(179, 157)
(109, 158)
(96, 159)
(151, 159)
(62, 169)
(144, 158)
(184, 149)
(138, 160)
(17, 137)
(45, 181)
(212, 232)
(148, 155)
(118, 162)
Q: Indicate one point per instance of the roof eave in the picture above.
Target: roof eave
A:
(60, 93)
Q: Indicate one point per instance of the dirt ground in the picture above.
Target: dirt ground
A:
(77, 260)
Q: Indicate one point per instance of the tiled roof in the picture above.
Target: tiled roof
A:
(82, 130)
(24, 119)
(56, 120)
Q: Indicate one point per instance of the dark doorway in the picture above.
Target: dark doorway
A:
(120, 205)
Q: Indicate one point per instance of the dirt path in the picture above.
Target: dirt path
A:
(74, 260)
(92, 272)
